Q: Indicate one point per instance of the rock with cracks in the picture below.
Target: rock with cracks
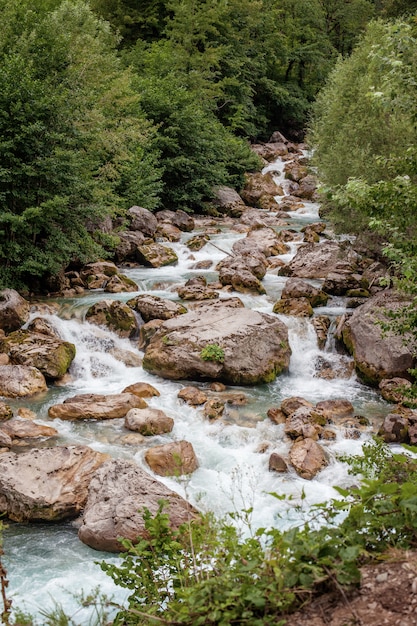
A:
(118, 495)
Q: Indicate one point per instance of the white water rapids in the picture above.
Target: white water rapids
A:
(47, 562)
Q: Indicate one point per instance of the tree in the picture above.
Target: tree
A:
(72, 139)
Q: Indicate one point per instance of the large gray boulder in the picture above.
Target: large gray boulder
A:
(378, 354)
(143, 220)
(50, 355)
(118, 495)
(47, 483)
(115, 315)
(153, 307)
(14, 310)
(219, 342)
(18, 381)
(318, 260)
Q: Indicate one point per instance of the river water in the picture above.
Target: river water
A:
(47, 563)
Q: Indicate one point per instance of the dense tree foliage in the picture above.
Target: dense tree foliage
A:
(72, 138)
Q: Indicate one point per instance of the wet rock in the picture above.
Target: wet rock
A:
(250, 347)
(19, 428)
(290, 405)
(335, 409)
(308, 458)
(196, 288)
(147, 331)
(6, 412)
(156, 255)
(127, 248)
(267, 241)
(142, 390)
(277, 463)
(228, 202)
(107, 269)
(344, 282)
(46, 484)
(143, 220)
(394, 389)
(270, 151)
(258, 185)
(153, 307)
(328, 369)
(5, 440)
(192, 396)
(307, 188)
(118, 495)
(378, 354)
(247, 256)
(172, 459)
(299, 307)
(394, 429)
(120, 284)
(168, 232)
(96, 406)
(18, 381)
(197, 242)
(300, 424)
(318, 260)
(115, 315)
(321, 325)
(129, 358)
(297, 288)
(214, 408)
(148, 422)
(235, 272)
(14, 310)
(276, 415)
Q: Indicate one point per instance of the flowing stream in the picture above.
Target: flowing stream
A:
(47, 563)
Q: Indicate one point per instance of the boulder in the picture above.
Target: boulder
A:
(317, 260)
(18, 381)
(6, 412)
(115, 315)
(290, 405)
(153, 307)
(129, 358)
(119, 283)
(184, 221)
(394, 429)
(168, 232)
(236, 273)
(156, 255)
(14, 310)
(308, 458)
(143, 390)
(196, 289)
(321, 325)
(395, 389)
(48, 483)
(298, 288)
(95, 406)
(98, 268)
(299, 307)
(127, 248)
(277, 463)
(307, 187)
(344, 282)
(378, 354)
(300, 424)
(335, 409)
(192, 396)
(214, 408)
(50, 355)
(197, 242)
(172, 459)
(5, 440)
(118, 495)
(148, 422)
(267, 241)
(20, 428)
(228, 202)
(143, 220)
(257, 185)
(246, 256)
(218, 341)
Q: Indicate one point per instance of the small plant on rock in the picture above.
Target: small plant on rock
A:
(212, 352)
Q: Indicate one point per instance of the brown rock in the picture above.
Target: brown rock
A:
(276, 415)
(142, 220)
(46, 484)
(307, 458)
(14, 310)
(334, 409)
(299, 307)
(6, 412)
(394, 429)
(153, 307)
(115, 315)
(94, 406)
(172, 459)
(277, 463)
(290, 405)
(118, 495)
(148, 422)
(20, 428)
(214, 408)
(192, 396)
(18, 381)
(143, 390)
(394, 389)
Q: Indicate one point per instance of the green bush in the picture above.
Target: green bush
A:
(212, 352)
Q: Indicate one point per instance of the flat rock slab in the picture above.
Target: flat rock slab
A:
(251, 347)
(96, 406)
(118, 495)
(46, 483)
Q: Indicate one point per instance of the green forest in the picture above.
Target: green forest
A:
(118, 102)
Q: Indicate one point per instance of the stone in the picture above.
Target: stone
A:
(120, 284)
(317, 260)
(168, 232)
(192, 396)
(308, 458)
(334, 409)
(254, 346)
(118, 495)
(156, 255)
(96, 406)
(276, 415)
(394, 389)
(115, 315)
(49, 354)
(298, 288)
(277, 463)
(6, 412)
(153, 307)
(14, 310)
(321, 325)
(214, 408)
(148, 422)
(172, 459)
(299, 307)
(20, 428)
(143, 390)
(143, 220)
(394, 429)
(378, 354)
(290, 405)
(228, 202)
(18, 381)
(47, 483)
